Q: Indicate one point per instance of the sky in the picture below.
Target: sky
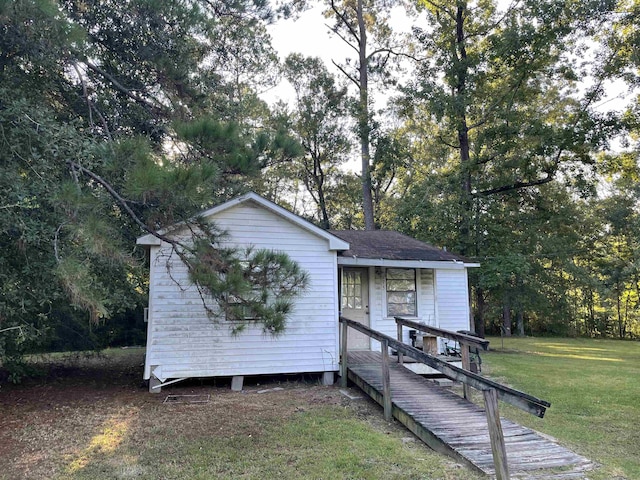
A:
(310, 35)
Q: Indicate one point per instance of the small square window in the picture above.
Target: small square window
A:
(237, 310)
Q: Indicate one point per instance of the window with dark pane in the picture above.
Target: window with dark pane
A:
(401, 291)
(239, 309)
(352, 290)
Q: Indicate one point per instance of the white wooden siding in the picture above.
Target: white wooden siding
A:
(452, 304)
(186, 343)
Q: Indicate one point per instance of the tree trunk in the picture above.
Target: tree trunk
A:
(506, 318)
(322, 203)
(325, 222)
(364, 122)
(462, 128)
(520, 323)
(620, 330)
(592, 313)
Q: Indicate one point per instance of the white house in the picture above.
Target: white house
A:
(368, 276)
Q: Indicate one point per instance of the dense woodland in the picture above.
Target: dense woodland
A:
(489, 130)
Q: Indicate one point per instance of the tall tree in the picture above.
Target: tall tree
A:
(320, 124)
(497, 97)
(117, 118)
(364, 27)
(496, 90)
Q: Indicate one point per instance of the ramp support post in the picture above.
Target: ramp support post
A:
(386, 381)
(400, 356)
(343, 354)
(466, 364)
(495, 434)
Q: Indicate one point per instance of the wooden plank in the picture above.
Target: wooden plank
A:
(514, 397)
(458, 337)
(433, 441)
(451, 425)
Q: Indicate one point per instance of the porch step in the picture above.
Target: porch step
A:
(443, 382)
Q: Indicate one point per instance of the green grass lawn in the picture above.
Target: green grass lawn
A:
(594, 390)
(324, 443)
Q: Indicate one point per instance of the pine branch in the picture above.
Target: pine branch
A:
(344, 39)
(17, 327)
(339, 67)
(451, 145)
(90, 105)
(442, 9)
(391, 51)
(517, 185)
(84, 93)
(123, 203)
(345, 21)
(159, 107)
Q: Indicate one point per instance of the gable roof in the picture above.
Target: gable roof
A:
(335, 243)
(389, 248)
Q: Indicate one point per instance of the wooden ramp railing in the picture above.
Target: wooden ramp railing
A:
(466, 342)
(491, 390)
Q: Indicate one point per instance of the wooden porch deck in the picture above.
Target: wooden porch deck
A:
(456, 427)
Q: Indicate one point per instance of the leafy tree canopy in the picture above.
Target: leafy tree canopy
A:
(119, 118)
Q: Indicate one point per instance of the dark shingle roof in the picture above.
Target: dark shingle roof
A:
(389, 245)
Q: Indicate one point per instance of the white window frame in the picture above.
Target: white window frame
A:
(343, 289)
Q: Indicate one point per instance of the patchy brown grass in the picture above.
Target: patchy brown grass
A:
(93, 418)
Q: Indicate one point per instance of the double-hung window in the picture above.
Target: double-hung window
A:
(401, 292)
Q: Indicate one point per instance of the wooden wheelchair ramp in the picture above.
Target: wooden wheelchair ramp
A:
(457, 427)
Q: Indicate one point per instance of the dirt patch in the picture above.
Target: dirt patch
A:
(45, 418)
(49, 426)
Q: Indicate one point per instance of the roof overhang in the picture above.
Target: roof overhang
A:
(381, 262)
(335, 243)
(148, 240)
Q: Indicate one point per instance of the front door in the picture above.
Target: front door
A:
(355, 304)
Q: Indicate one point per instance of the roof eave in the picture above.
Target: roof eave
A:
(382, 262)
(335, 243)
(148, 240)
